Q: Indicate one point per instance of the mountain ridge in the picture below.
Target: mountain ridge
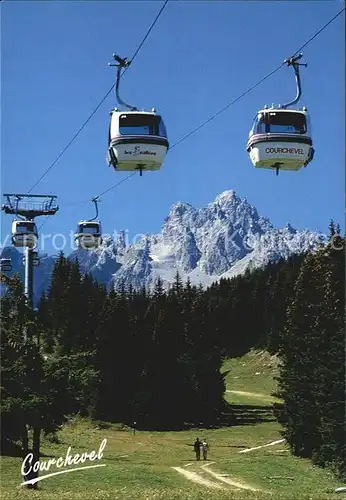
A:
(205, 244)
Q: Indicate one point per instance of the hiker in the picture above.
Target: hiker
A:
(197, 448)
(205, 448)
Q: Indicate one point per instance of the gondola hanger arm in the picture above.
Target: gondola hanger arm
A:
(95, 200)
(122, 63)
(292, 61)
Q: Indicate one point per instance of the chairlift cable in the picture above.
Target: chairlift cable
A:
(258, 83)
(225, 107)
(240, 96)
(100, 103)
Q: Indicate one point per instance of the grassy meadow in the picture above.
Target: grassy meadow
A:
(162, 465)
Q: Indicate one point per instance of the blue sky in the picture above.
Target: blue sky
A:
(198, 58)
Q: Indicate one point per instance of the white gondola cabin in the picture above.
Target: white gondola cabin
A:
(137, 140)
(5, 265)
(280, 139)
(88, 234)
(24, 233)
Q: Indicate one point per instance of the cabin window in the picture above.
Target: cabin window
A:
(138, 124)
(292, 123)
(278, 122)
(95, 229)
(162, 128)
(258, 126)
(25, 228)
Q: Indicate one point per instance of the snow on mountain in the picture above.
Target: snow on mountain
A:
(220, 240)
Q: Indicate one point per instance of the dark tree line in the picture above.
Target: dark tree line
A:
(155, 358)
(312, 351)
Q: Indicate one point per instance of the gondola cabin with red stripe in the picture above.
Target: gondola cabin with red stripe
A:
(137, 140)
(281, 139)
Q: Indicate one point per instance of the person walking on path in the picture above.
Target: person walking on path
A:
(205, 449)
(197, 448)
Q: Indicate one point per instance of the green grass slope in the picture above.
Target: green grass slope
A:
(162, 466)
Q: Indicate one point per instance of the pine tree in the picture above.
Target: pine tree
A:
(297, 351)
(331, 228)
(312, 378)
(330, 379)
(26, 399)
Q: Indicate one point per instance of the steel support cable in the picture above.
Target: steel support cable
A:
(234, 100)
(100, 103)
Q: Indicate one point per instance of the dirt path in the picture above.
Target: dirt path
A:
(223, 478)
(196, 478)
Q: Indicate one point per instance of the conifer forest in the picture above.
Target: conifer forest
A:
(155, 357)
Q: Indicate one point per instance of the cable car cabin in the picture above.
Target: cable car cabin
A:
(137, 140)
(5, 265)
(88, 234)
(280, 139)
(24, 233)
